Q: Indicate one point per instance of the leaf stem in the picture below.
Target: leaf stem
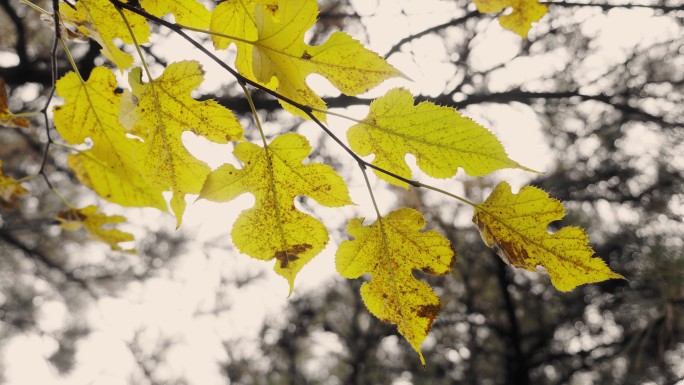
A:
(219, 34)
(135, 43)
(36, 7)
(254, 112)
(370, 191)
(71, 60)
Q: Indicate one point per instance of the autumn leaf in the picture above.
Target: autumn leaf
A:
(99, 20)
(525, 12)
(272, 50)
(10, 191)
(97, 225)
(91, 110)
(159, 112)
(7, 118)
(441, 139)
(274, 228)
(515, 225)
(190, 13)
(389, 250)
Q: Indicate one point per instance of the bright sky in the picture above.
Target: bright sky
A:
(168, 305)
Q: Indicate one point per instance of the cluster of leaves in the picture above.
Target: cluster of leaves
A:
(127, 147)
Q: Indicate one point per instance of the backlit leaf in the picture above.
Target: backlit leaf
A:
(515, 225)
(525, 12)
(91, 110)
(7, 118)
(274, 228)
(159, 112)
(190, 13)
(389, 250)
(10, 191)
(441, 139)
(99, 20)
(98, 226)
(278, 50)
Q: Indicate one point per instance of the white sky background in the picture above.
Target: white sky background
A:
(167, 305)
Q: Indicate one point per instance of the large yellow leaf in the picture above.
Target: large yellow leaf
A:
(525, 12)
(277, 50)
(440, 138)
(515, 225)
(274, 228)
(97, 225)
(91, 110)
(390, 249)
(7, 118)
(99, 20)
(190, 13)
(159, 112)
(10, 191)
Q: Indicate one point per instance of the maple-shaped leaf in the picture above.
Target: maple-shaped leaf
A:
(190, 13)
(275, 53)
(159, 112)
(441, 139)
(389, 250)
(91, 110)
(7, 118)
(10, 191)
(99, 20)
(275, 175)
(515, 225)
(97, 225)
(525, 12)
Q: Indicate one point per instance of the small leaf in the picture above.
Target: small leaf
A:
(7, 118)
(515, 225)
(525, 12)
(99, 20)
(390, 249)
(441, 139)
(279, 58)
(189, 13)
(97, 225)
(91, 110)
(274, 228)
(10, 191)
(159, 112)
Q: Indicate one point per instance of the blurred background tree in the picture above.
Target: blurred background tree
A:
(601, 85)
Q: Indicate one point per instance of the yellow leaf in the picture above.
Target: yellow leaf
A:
(515, 225)
(99, 20)
(159, 112)
(525, 12)
(190, 13)
(274, 228)
(441, 139)
(97, 225)
(91, 111)
(390, 249)
(10, 191)
(7, 118)
(279, 58)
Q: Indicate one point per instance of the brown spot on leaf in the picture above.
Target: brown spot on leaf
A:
(306, 55)
(429, 311)
(287, 256)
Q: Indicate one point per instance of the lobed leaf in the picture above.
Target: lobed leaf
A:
(7, 118)
(190, 13)
(275, 53)
(515, 225)
(159, 112)
(10, 191)
(389, 250)
(91, 110)
(275, 175)
(525, 12)
(99, 20)
(441, 139)
(97, 225)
